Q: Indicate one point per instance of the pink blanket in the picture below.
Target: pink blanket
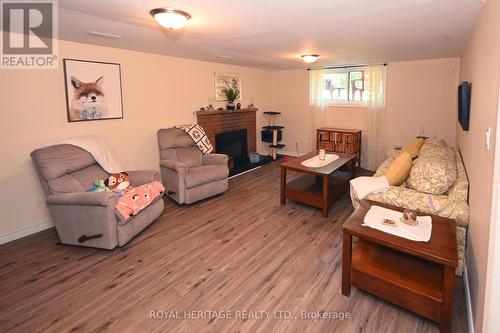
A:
(137, 198)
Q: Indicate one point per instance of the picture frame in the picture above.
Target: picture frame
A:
(225, 80)
(93, 90)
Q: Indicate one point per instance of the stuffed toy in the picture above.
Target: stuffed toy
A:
(99, 186)
(118, 182)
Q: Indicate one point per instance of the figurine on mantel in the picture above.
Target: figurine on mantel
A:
(238, 106)
(208, 108)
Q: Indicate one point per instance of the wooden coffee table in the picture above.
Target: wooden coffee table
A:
(417, 276)
(317, 187)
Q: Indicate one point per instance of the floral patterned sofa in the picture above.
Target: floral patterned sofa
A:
(428, 173)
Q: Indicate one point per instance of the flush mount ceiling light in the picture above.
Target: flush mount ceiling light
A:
(170, 18)
(309, 58)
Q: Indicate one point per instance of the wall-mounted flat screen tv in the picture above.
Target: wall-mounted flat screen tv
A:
(464, 94)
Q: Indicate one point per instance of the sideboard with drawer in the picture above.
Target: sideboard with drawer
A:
(340, 140)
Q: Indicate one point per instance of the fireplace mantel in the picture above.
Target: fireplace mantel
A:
(215, 122)
(225, 112)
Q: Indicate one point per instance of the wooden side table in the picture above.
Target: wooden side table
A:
(417, 276)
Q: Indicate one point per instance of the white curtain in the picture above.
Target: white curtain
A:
(316, 87)
(373, 129)
(375, 85)
(317, 105)
(373, 135)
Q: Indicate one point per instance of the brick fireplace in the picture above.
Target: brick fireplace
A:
(217, 122)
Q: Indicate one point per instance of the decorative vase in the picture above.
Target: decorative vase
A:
(230, 106)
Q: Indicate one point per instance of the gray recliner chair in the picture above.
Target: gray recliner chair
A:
(88, 218)
(187, 174)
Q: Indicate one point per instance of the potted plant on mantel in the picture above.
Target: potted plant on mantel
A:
(231, 96)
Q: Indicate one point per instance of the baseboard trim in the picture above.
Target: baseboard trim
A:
(12, 236)
(470, 318)
(288, 153)
(241, 173)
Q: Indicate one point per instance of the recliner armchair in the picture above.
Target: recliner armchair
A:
(187, 174)
(88, 218)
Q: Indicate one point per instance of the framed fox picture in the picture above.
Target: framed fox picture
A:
(93, 90)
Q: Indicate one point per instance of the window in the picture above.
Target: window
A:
(356, 86)
(345, 87)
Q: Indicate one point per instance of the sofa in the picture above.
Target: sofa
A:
(86, 218)
(187, 174)
(437, 184)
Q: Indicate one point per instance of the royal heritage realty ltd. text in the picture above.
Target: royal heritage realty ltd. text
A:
(246, 314)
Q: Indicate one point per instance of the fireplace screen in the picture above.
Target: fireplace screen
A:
(234, 144)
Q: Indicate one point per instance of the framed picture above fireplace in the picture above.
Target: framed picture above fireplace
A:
(224, 81)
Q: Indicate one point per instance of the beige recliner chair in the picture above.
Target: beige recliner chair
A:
(88, 218)
(187, 174)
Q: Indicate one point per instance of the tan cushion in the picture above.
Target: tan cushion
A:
(205, 174)
(57, 160)
(413, 147)
(174, 138)
(435, 141)
(65, 184)
(191, 156)
(399, 170)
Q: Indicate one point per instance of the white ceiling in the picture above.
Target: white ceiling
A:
(272, 34)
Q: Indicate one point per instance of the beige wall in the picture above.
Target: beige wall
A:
(422, 93)
(419, 93)
(158, 91)
(480, 64)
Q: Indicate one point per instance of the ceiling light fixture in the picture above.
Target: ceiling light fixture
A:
(170, 18)
(309, 58)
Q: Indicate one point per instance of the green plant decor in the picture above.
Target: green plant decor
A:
(231, 94)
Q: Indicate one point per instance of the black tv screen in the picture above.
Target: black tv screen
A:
(464, 93)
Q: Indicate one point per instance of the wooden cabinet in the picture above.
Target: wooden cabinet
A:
(340, 140)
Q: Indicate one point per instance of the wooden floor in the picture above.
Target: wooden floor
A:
(242, 251)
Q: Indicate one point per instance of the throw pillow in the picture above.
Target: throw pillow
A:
(434, 171)
(413, 147)
(399, 170)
